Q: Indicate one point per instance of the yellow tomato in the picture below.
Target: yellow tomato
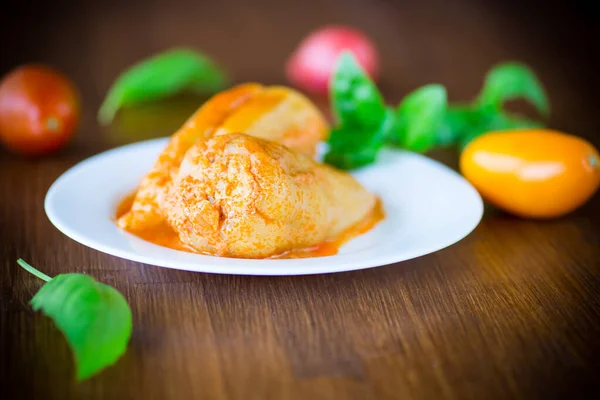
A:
(532, 173)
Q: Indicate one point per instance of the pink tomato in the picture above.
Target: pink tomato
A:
(312, 63)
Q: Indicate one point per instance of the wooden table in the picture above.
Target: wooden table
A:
(512, 311)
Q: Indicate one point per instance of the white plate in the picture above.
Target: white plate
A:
(428, 207)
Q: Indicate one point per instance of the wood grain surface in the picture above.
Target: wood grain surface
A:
(512, 311)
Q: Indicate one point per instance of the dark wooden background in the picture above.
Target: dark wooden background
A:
(512, 311)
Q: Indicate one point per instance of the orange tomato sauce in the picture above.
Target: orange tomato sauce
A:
(332, 246)
(164, 235)
(161, 234)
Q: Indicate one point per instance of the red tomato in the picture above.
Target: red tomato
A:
(39, 110)
(312, 63)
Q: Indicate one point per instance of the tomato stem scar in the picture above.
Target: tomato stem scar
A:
(52, 123)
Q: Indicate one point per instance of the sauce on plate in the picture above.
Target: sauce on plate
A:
(164, 235)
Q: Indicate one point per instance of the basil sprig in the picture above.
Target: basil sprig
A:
(362, 115)
(423, 120)
(508, 81)
(94, 318)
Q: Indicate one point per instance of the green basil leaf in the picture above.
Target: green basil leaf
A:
(351, 148)
(160, 76)
(420, 118)
(94, 318)
(355, 99)
(363, 121)
(492, 122)
(351, 160)
(511, 81)
(459, 121)
(505, 121)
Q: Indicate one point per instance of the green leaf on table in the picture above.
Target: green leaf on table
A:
(162, 75)
(355, 99)
(512, 81)
(420, 118)
(94, 318)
